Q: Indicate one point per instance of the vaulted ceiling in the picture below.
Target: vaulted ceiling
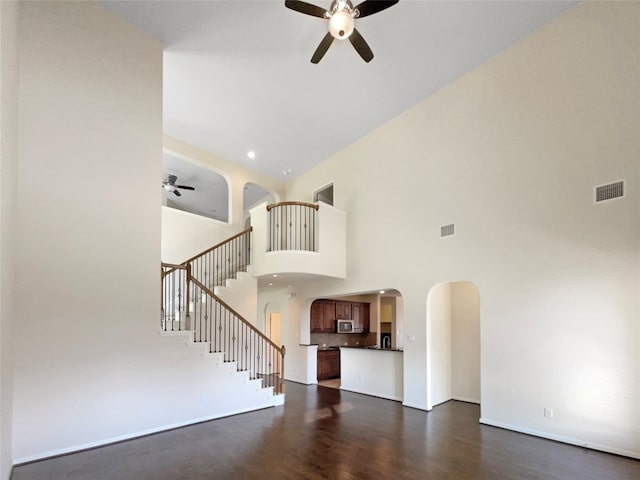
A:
(237, 75)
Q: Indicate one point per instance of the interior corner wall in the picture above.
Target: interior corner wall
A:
(511, 153)
(8, 177)
(465, 342)
(439, 341)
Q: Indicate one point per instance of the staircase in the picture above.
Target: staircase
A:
(190, 307)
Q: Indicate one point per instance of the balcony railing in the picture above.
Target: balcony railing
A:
(292, 226)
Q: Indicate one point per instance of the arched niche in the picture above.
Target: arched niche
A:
(210, 195)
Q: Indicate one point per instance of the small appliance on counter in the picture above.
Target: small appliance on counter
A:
(345, 326)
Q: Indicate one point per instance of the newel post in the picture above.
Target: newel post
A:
(187, 319)
(283, 352)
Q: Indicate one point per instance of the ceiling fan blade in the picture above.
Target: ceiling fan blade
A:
(361, 46)
(177, 193)
(369, 7)
(306, 8)
(322, 48)
(186, 187)
(170, 179)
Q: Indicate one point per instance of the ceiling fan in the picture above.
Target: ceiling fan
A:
(341, 22)
(169, 184)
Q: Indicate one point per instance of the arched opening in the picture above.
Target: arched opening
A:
(272, 322)
(192, 188)
(453, 343)
(254, 194)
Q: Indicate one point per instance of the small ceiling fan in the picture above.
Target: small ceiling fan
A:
(341, 22)
(169, 184)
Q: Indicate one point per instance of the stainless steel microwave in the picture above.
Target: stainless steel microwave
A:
(345, 326)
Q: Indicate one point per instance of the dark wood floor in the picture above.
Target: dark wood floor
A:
(324, 433)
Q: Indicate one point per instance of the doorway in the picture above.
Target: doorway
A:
(272, 323)
(453, 343)
(324, 194)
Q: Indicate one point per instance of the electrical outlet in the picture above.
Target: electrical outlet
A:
(548, 412)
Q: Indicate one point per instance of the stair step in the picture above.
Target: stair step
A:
(175, 333)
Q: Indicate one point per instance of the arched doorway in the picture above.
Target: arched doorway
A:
(453, 343)
(272, 322)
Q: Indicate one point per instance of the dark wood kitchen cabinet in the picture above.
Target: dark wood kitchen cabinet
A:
(328, 364)
(323, 316)
(343, 310)
(360, 317)
(325, 312)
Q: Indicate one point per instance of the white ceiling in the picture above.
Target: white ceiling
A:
(237, 75)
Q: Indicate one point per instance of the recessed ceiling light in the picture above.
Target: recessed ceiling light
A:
(382, 291)
(286, 172)
(251, 154)
(275, 275)
(271, 284)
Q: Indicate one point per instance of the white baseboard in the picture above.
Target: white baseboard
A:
(467, 400)
(373, 394)
(416, 406)
(560, 438)
(130, 436)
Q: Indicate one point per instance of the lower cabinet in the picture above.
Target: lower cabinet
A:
(328, 364)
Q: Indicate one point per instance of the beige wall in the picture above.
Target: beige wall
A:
(8, 167)
(510, 153)
(90, 367)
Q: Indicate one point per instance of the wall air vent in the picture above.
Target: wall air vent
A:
(447, 230)
(610, 191)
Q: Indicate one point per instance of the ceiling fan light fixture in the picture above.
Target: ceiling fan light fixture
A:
(341, 25)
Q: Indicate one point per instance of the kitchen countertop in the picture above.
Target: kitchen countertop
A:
(370, 347)
(360, 347)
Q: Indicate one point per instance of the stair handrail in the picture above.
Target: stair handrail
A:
(226, 305)
(228, 240)
(281, 350)
(271, 206)
(189, 279)
(223, 261)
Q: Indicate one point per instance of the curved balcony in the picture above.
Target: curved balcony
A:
(299, 238)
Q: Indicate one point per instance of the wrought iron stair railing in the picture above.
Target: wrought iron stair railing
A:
(223, 261)
(189, 304)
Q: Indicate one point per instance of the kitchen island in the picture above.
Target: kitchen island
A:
(372, 371)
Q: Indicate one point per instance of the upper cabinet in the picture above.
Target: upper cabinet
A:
(343, 311)
(360, 317)
(324, 314)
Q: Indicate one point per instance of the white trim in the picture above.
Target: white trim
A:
(373, 394)
(561, 438)
(465, 399)
(174, 333)
(419, 407)
(130, 436)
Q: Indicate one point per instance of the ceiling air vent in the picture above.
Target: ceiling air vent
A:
(610, 191)
(447, 230)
